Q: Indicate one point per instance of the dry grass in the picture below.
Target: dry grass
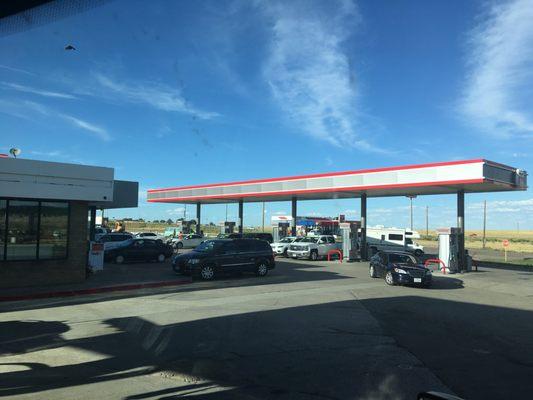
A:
(518, 241)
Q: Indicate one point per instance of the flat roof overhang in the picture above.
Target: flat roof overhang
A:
(471, 176)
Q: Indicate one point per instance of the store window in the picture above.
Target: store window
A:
(3, 205)
(22, 229)
(53, 230)
(31, 230)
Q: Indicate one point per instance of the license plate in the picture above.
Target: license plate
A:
(418, 280)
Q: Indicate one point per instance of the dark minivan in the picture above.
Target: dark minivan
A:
(219, 256)
(259, 235)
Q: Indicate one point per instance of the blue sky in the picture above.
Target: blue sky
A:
(177, 93)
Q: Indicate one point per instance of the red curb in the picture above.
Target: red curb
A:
(105, 289)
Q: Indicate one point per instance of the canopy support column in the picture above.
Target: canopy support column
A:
(461, 226)
(293, 214)
(92, 226)
(364, 255)
(198, 215)
(240, 216)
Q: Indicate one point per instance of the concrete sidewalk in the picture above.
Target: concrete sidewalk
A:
(113, 278)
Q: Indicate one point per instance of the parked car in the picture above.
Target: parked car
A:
(100, 231)
(218, 256)
(399, 268)
(230, 236)
(113, 240)
(140, 250)
(171, 231)
(281, 247)
(150, 235)
(313, 247)
(260, 235)
(187, 241)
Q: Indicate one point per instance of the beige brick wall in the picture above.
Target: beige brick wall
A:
(50, 272)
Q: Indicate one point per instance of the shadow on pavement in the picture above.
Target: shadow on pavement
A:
(505, 266)
(285, 272)
(446, 283)
(481, 352)
(25, 336)
(331, 350)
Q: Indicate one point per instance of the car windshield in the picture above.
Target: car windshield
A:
(208, 246)
(286, 240)
(402, 259)
(309, 240)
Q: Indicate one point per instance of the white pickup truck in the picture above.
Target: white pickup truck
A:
(313, 247)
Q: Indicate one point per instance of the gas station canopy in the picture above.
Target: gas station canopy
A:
(470, 176)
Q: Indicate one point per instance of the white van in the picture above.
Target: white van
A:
(392, 239)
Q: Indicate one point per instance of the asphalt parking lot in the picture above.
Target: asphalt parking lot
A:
(307, 331)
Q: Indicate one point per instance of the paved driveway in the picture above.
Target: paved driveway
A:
(307, 331)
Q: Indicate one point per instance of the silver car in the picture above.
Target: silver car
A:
(281, 247)
(188, 241)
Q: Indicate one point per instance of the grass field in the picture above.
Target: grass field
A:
(159, 227)
(518, 241)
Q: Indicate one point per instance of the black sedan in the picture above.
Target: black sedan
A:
(140, 250)
(399, 268)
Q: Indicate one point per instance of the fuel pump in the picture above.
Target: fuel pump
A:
(449, 248)
(350, 240)
(280, 226)
(227, 227)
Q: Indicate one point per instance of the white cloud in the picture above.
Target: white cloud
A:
(505, 206)
(157, 95)
(56, 155)
(19, 70)
(94, 129)
(24, 109)
(176, 211)
(40, 92)
(499, 90)
(309, 72)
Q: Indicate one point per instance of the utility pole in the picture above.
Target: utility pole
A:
(226, 213)
(411, 197)
(263, 217)
(427, 220)
(484, 222)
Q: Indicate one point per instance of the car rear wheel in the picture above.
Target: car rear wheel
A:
(389, 278)
(314, 255)
(372, 272)
(161, 258)
(179, 245)
(262, 268)
(119, 259)
(207, 272)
